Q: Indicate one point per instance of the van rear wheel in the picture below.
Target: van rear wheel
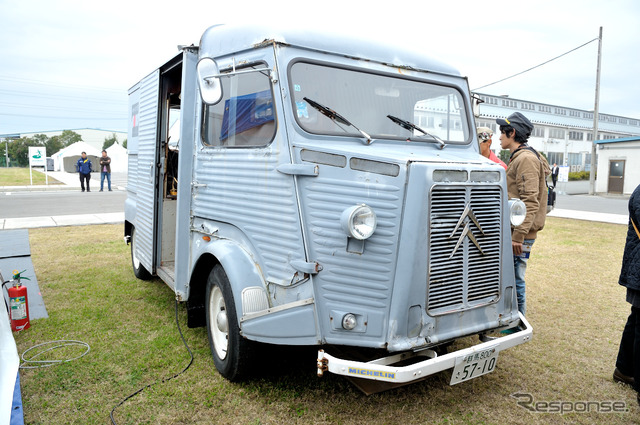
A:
(231, 351)
(138, 269)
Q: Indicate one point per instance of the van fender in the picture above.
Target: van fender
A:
(129, 215)
(245, 276)
(293, 323)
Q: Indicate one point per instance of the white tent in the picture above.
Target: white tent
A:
(119, 158)
(72, 150)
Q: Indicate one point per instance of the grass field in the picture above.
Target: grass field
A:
(575, 305)
(14, 176)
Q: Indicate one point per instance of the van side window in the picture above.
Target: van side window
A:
(245, 117)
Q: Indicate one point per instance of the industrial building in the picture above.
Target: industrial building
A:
(564, 134)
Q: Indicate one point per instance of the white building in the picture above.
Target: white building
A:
(564, 134)
(617, 165)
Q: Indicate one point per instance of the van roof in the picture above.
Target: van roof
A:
(221, 40)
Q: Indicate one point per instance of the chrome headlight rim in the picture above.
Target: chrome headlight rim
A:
(517, 211)
(349, 221)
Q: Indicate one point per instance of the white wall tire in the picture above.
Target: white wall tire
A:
(231, 352)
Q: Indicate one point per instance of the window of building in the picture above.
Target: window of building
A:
(587, 161)
(492, 125)
(576, 135)
(633, 122)
(543, 108)
(587, 115)
(574, 113)
(556, 133)
(575, 159)
(245, 117)
(538, 131)
(426, 121)
(560, 111)
(555, 158)
(623, 121)
(489, 100)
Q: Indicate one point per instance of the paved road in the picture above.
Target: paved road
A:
(599, 204)
(54, 203)
(64, 205)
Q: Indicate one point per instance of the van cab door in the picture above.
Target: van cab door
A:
(242, 183)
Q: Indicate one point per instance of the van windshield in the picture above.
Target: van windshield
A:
(366, 99)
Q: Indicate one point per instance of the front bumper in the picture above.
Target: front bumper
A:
(382, 369)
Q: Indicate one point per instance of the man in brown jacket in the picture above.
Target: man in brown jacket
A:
(105, 170)
(526, 180)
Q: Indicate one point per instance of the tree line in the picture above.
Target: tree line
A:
(19, 148)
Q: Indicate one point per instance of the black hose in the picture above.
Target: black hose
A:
(113, 421)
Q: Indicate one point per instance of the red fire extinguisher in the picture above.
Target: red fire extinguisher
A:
(18, 303)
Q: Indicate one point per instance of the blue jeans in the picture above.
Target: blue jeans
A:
(104, 174)
(519, 267)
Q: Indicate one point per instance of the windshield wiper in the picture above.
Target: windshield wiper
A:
(407, 125)
(336, 117)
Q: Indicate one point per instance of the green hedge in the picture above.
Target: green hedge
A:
(579, 175)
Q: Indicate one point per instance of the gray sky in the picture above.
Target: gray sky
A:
(68, 64)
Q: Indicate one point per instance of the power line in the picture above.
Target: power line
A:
(63, 117)
(118, 111)
(537, 66)
(84, 98)
(47, 83)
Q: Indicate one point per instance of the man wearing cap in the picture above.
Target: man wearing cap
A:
(484, 138)
(526, 180)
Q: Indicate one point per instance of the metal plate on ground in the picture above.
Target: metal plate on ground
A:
(14, 243)
(15, 254)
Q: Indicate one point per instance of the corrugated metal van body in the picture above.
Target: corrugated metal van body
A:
(143, 129)
(352, 280)
(246, 192)
(240, 190)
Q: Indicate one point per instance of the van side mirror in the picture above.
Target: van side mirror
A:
(476, 101)
(209, 81)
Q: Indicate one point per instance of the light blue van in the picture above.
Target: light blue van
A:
(303, 189)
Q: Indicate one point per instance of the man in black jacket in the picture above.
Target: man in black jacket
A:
(628, 363)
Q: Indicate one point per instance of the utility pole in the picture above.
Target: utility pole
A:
(592, 172)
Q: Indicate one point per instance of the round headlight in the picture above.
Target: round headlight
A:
(517, 211)
(359, 221)
(349, 321)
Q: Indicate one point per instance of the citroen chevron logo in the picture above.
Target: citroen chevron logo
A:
(466, 232)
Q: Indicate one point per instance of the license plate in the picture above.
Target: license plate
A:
(473, 365)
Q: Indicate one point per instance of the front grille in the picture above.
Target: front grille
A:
(460, 275)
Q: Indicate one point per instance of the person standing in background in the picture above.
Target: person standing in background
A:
(554, 174)
(105, 170)
(84, 169)
(484, 138)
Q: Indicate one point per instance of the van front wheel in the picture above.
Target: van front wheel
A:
(231, 352)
